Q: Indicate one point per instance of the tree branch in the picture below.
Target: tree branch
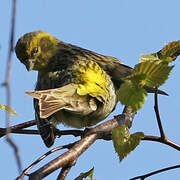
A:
(8, 87)
(155, 172)
(163, 141)
(64, 171)
(156, 109)
(18, 128)
(42, 157)
(102, 131)
(69, 158)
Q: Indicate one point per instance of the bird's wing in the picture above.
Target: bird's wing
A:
(90, 83)
(66, 97)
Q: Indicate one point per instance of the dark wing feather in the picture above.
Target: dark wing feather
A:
(46, 129)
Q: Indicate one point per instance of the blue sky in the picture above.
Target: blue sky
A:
(124, 29)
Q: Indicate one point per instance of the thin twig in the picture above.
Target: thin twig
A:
(162, 133)
(9, 64)
(19, 131)
(18, 128)
(155, 172)
(64, 171)
(8, 88)
(75, 132)
(24, 125)
(42, 157)
(163, 141)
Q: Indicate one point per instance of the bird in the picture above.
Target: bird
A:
(75, 86)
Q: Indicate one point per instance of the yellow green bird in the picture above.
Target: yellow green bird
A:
(75, 86)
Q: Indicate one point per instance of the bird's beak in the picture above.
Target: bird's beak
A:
(29, 64)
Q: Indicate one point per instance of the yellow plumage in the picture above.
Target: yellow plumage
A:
(91, 89)
(75, 86)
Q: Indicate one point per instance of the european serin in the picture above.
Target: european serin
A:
(75, 86)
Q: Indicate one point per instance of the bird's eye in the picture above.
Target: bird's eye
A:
(35, 50)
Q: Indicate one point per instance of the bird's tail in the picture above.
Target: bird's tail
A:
(46, 129)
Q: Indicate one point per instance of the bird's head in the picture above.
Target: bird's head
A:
(36, 49)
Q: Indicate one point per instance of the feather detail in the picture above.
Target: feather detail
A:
(66, 97)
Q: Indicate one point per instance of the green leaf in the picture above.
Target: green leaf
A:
(149, 73)
(86, 174)
(170, 51)
(167, 54)
(124, 142)
(148, 57)
(155, 72)
(132, 95)
(8, 109)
